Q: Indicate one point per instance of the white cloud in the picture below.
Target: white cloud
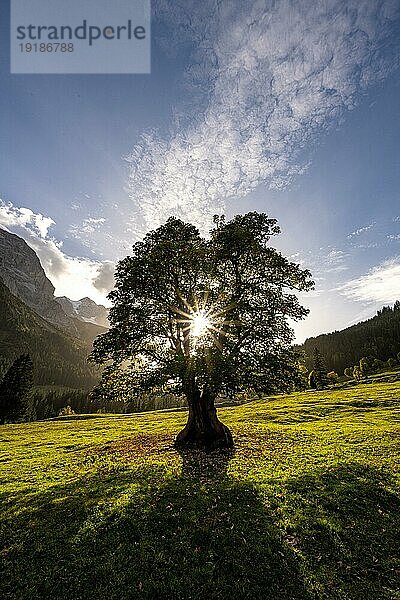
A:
(324, 261)
(74, 277)
(381, 284)
(104, 280)
(266, 81)
(24, 217)
(88, 226)
(361, 230)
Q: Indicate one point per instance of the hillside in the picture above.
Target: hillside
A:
(59, 358)
(23, 274)
(307, 507)
(378, 337)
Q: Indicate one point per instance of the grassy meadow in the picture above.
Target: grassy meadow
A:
(307, 506)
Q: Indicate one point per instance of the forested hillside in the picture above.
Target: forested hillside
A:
(378, 337)
(59, 359)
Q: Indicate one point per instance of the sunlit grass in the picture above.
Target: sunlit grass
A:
(307, 506)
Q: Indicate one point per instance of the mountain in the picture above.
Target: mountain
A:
(58, 357)
(85, 309)
(33, 320)
(22, 273)
(378, 337)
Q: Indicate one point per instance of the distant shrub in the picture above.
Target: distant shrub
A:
(365, 366)
(65, 411)
(378, 365)
(332, 376)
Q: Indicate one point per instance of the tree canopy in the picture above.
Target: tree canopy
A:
(206, 316)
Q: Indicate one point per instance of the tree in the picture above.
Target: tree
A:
(332, 376)
(365, 366)
(304, 375)
(318, 376)
(349, 372)
(357, 372)
(378, 365)
(16, 390)
(206, 316)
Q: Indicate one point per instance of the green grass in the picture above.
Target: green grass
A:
(308, 505)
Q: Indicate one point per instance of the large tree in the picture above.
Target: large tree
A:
(206, 316)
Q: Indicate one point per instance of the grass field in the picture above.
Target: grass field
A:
(308, 505)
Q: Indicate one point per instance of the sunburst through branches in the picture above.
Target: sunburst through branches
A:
(201, 325)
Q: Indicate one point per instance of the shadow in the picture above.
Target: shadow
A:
(143, 532)
(346, 523)
(200, 466)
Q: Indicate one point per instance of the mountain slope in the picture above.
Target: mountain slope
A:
(85, 309)
(23, 274)
(378, 337)
(59, 358)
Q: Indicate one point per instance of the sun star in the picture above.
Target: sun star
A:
(200, 324)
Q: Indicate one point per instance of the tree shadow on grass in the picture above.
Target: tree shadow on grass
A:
(145, 533)
(346, 523)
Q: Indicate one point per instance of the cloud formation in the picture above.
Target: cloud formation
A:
(361, 230)
(24, 217)
(381, 284)
(265, 82)
(104, 280)
(74, 277)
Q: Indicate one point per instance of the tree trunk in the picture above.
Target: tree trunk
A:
(203, 429)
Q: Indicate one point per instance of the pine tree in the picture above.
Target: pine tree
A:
(320, 375)
(16, 390)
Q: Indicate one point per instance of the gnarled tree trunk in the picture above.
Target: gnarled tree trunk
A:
(203, 429)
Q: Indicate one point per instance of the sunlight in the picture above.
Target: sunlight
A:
(200, 323)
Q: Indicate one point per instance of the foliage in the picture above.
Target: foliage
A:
(66, 411)
(117, 393)
(365, 366)
(377, 338)
(377, 365)
(318, 379)
(237, 278)
(47, 402)
(357, 373)
(16, 391)
(308, 506)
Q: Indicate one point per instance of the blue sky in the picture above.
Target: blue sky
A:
(291, 108)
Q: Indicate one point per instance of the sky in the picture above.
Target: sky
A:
(286, 107)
